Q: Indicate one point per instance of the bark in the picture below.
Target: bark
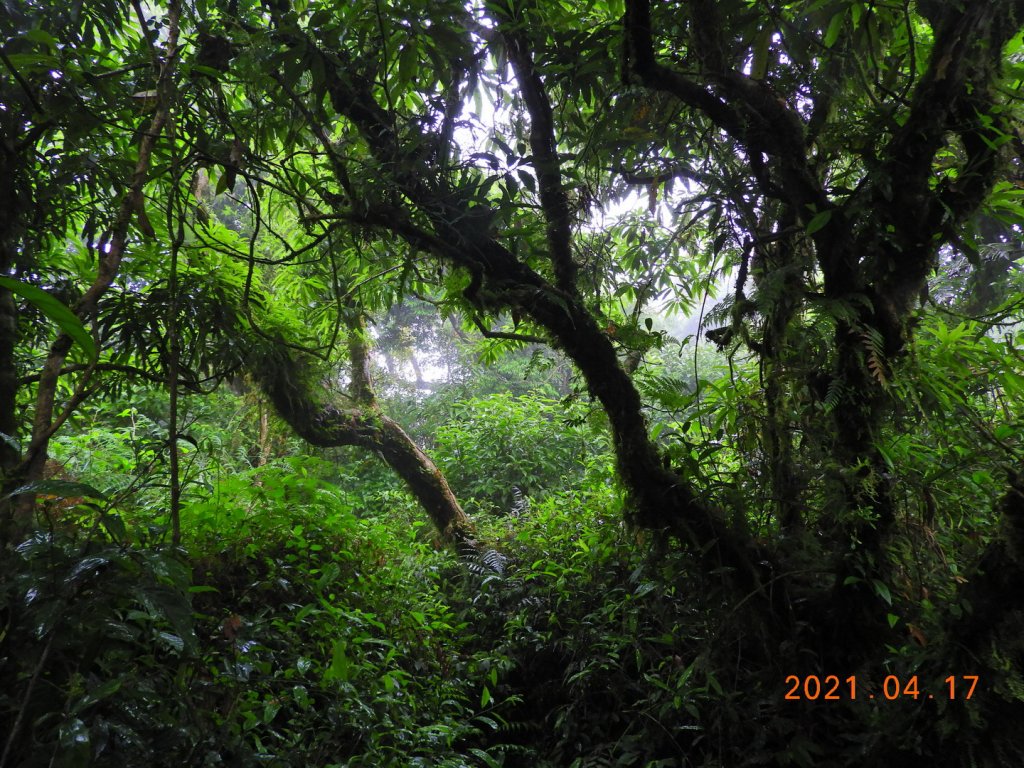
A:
(661, 498)
(283, 380)
(880, 241)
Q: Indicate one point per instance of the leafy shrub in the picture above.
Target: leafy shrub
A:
(496, 444)
(95, 661)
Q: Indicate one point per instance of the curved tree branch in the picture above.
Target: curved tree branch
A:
(284, 380)
(544, 145)
(489, 334)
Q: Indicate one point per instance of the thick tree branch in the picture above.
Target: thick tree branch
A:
(968, 47)
(283, 380)
(544, 145)
(746, 109)
(912, 214)
(640, 56)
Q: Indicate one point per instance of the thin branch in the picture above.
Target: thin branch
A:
(22, 82)
(669, 174)
(526, 338)
(129, 370)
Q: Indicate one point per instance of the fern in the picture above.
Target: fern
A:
(721, 313)
(487, 563)
(671, 393)
(520, 502)
(874, 345)
(834, 394)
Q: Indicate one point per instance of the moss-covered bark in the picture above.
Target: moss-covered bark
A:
(360, 422)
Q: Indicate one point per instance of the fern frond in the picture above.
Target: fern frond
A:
(874, 344)
(720, 313)
(834, 394)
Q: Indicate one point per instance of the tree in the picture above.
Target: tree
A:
(859, 230)
(825, 155)
(44, 107)
(362, 423)
(755, 115)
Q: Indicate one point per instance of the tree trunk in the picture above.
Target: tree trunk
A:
(661, 498)
(44, 424)
(283, 380)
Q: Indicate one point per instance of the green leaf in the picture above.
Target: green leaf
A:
(834, 28)
(75, 745)
(63, 489)
(489, 761)
(270, 710)
(882, 590)
(115, 527)
(172, 641)
(12, 442)
(527, 180)
(408, 60)
(54, 309)
(85, 567)
(41, 37)
(819, 221)
(1003, 431)
(341, 664)
(99, 693)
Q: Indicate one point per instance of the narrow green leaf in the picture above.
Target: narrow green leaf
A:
(171, 641)
(340, 663)
(834, 27)
(882, 590)
(12, 442)
(408, 60)
(64, 489)
(54, 309)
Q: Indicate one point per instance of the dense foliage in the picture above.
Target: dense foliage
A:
(512, 383)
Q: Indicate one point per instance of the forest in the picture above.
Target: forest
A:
(524, 383)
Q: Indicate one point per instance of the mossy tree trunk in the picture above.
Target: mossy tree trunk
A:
(361, 422)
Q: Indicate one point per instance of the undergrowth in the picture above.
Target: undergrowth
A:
(297, 628)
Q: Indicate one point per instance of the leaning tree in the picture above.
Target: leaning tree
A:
(828, 156)
(830, 152)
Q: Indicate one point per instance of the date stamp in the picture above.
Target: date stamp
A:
(832, 688)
